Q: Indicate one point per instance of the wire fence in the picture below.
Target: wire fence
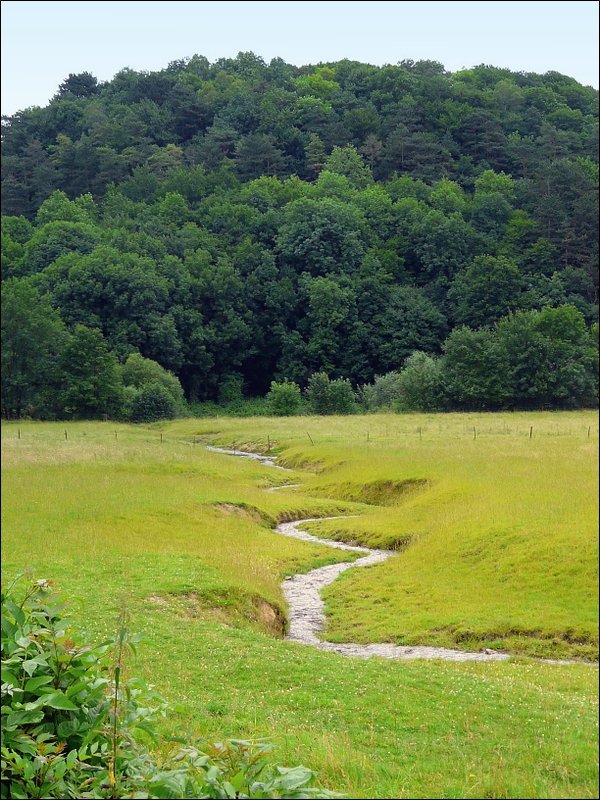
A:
(267, 442)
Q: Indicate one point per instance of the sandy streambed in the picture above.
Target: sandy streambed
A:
(307, 609)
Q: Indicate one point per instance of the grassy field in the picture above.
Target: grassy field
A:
(497, 537)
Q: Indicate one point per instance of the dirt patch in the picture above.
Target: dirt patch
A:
(157, 600)
(240, 510)
(270, 617)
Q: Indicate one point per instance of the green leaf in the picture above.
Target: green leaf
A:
(76, 688)
(24, 744)
(17, 792)
(32, 664)
(34, 683)
(23, 718)
(59, 701)
(238, 780)
(54, 700)
(8, 677)
(294, 777)
(14, 609)
(67, 728)
(60, 768)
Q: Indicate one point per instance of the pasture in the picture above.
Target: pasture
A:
(494, 520)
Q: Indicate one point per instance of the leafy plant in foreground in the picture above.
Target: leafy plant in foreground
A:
(75, 726)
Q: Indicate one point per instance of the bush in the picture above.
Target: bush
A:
(420, 384)
(231, 389)
(384, 392)
(151, 403)
(71, 727)
(59, 706)
(284, 398)
(247, 407)
(330, 397)
(138, 372)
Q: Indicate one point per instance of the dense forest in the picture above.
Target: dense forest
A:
(201, 232)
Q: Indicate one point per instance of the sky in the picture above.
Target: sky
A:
(42, 42)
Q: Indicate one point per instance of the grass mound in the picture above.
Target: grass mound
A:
(374, 493)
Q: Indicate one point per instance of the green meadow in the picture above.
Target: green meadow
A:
(494, 521)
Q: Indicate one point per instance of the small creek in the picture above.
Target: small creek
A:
(307, 609)
(268, 461)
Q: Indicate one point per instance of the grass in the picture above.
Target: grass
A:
(131, 500)
(181, 536)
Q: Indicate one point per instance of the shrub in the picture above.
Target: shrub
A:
(231, 389)
(57, 709)
(342, 399)
(382, 393)
(153, 402)
(248, 407)
(71, 727)
(138, 372)
(330, 397)
(475, 370)
(284, 398)
(420, 384)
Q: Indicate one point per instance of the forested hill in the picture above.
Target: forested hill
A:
(239, 222)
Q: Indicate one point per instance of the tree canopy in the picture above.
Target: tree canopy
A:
(249, 224)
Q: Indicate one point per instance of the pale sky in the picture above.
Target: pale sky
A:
(42, 42)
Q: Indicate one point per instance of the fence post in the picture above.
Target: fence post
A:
(161, 438)
(310, 437)
(531, 432)
(66, 435)
(19, 433)
(474, 433)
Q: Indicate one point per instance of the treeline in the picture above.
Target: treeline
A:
(242, 223)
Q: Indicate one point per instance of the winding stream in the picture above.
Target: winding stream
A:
(268, 461)
(307, 609)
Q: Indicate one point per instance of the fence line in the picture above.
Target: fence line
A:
(370, 437)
